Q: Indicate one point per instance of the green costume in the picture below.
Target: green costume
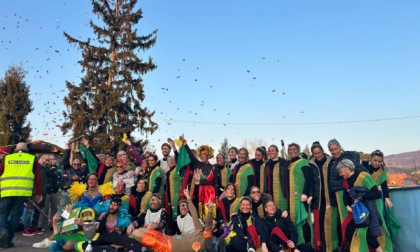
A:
(379, 176)
(359, 242)
(225, 176)
(298, 214)
(242, 175)
(154, 186)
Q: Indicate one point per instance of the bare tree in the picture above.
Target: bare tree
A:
(252, 145)
(307, 151)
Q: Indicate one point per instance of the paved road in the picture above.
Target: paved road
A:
(24, 243)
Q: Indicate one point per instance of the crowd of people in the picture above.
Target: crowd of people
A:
(184, 202)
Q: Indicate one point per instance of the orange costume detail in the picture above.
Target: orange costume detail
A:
(157, 241)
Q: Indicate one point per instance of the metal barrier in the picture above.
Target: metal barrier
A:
(406, 208)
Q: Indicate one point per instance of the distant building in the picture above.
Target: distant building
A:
(400, 179)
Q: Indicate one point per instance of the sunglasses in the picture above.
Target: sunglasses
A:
(76, 164)
(255, 192)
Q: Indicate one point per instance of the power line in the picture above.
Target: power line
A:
(288, 124)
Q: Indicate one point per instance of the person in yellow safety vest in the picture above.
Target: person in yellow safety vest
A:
(19, 172)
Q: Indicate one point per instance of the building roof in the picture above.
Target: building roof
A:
(39, 146)
(400, 179)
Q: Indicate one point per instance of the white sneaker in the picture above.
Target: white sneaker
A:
(44, 244)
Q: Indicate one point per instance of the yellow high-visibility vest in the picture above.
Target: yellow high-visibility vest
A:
(18, 176)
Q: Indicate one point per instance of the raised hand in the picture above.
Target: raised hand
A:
(182, 138)
(197, 175)
(171, 143)
(187, 193)
(127, 142)
(85, 142)
(210, 205)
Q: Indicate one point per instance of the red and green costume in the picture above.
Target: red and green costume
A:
(206, 193)
(209, 177)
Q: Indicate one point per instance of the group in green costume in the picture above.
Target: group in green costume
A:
(361, 186)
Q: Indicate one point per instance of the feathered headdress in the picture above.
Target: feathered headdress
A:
(76, 191)
(106, 189)
(207, 149)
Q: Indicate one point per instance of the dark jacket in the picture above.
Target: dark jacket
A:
(53, 173)
(44, 179)
(384, 185)
(69, 171)
(240, 227)
(335, 181)
(318, 181)
(285, 224)
(375, 221)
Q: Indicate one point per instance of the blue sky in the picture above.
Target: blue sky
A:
(243, 64)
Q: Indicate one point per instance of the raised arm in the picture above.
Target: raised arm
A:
(137, 158)
(192, 209)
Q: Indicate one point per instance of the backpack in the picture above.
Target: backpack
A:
(360, 214)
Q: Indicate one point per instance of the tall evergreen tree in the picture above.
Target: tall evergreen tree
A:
(107, 102)
(15, 105)
(224, 148)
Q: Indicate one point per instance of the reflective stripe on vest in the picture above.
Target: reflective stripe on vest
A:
(18, 176)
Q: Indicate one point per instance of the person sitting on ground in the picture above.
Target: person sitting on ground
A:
(250, 231)
(154, 218)
(183, 224)
(281, 230)
(110, 229)
(84, 197)
(195, 240)
(258, 201)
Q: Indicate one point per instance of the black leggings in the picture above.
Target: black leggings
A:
(115, 238)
